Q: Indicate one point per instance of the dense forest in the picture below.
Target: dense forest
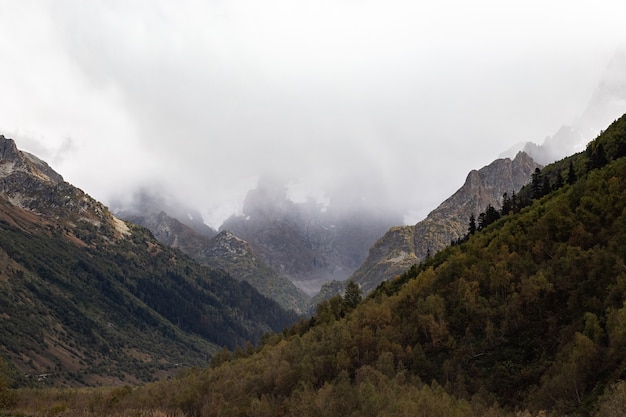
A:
(524, 317)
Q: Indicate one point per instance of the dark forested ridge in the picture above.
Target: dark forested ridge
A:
(526, 317)
(88, 299)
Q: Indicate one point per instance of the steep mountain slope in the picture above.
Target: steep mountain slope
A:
(88, 299)
(526, 318)
(404, 246)
(227, 252)
(232, 254)
(303, 242)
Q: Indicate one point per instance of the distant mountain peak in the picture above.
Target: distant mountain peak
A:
(227, 244)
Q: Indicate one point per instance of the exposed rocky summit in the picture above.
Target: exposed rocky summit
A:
(404, 246)
(29, 183)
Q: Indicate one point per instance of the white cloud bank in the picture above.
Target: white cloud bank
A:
(386, 103)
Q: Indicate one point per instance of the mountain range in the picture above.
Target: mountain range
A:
(524, 316)
(88, 299)
(300, 250)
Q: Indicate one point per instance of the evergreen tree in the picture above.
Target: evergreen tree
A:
(571, 174)
(536, 184)
(472, 225)
(489, 216)
(353, 296)
(515, 203)
(597, 156)
(492, 214)
(559, 182)
(545, 188)
(507, 206)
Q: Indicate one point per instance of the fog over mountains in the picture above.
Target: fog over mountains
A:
(311, 242)
(607, 103)
(349, 102)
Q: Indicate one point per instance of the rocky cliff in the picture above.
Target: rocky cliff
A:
(404, 246)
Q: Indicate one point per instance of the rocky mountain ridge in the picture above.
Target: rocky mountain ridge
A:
(87, 299)
(403, 246)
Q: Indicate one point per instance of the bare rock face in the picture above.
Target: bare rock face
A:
(29, 183)
(404, 246)
(302, 242)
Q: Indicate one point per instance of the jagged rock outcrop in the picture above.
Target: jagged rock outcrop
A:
(404, 246)
(28, 182)
(608, 101)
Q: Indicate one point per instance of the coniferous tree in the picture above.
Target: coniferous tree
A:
(597, 156)
(506, 204)
(571, 174)
(492, 214)
(472, 225)
(559, 182)
(545, 188)
(489, 216)
(515, 203)
(353, 296)
(536, 184)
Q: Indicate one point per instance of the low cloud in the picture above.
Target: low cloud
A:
(385, 104)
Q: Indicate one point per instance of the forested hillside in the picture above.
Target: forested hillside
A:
(86, 299)
(528, 314)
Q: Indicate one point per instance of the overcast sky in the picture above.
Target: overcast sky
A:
(390, 102)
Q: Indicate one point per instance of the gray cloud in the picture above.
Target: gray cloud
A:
(389, 103)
